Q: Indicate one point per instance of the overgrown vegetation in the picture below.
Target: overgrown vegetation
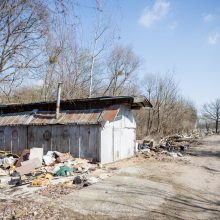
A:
(210, 117)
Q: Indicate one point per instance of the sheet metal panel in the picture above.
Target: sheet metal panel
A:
(107, 145)
(109, 115)
(92, 116)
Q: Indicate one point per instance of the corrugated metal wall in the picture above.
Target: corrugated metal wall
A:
(80, 140)
(118, 138)
(13, 138)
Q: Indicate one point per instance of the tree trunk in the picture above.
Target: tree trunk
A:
(207, 127)
(216, 126)
(158, 118)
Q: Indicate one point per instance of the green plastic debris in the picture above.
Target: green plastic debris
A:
(64, 171)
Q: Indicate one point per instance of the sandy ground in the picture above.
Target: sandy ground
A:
(141, 188)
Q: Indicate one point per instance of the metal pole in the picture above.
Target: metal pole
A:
(58, 100)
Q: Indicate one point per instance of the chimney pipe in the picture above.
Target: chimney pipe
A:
(58, 100)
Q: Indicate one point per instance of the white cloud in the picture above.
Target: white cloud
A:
(208, 18)
(160, 10)
(214, 38)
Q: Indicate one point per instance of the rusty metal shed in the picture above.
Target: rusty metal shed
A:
(99, 128)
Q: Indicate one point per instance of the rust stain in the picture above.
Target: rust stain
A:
(109, 115)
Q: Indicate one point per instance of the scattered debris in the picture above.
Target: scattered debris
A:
(77, 180)
(49, 158)
(90, 181)
(172, 154)
(24, 156)
(56, 191)
(27, 168)
(36, 162)
(34, 169)
(174, 146)
(145, 144)
(64, 171)
(41, 180)
(175, 142)
(179, 154)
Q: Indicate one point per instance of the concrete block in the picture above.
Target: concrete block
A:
(36, 153)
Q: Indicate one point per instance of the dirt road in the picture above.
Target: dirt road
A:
(143, 188)
(152, 189)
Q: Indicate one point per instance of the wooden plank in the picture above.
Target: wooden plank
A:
(15, 139)
(7, 135)
(22, 138)
(84, 141)
(74, 139)
(94, 143)
(40, 136)
(89, 141)
(60, 138)
(65, 138)
(2, 138)
(45, 133)
(55, 138)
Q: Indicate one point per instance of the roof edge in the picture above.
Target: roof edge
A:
(141, 101)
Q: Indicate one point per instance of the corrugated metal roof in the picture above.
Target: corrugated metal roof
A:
(92, 116)
(14, 118)
(110, 113)
(68, 117)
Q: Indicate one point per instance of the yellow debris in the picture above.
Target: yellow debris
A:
(68, 183)
(42, 180)
(11, 168)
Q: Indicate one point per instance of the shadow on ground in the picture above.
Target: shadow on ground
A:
(204, 153)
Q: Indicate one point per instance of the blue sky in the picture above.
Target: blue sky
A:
(177, 35)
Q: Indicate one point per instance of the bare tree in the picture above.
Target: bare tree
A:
(170, 113)
(211, 111)
(22, 26)
(102, 39)
(73, 70)
(73, 62)
(99, 32)
(122, 63)
(26, 94)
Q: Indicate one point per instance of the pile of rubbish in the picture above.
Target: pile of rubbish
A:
(174, 145)
(34, 169)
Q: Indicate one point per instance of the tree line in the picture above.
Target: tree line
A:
(45, 42)
(210, 116)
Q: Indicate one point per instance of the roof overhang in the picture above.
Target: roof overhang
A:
(140, 102)
(78, 104)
